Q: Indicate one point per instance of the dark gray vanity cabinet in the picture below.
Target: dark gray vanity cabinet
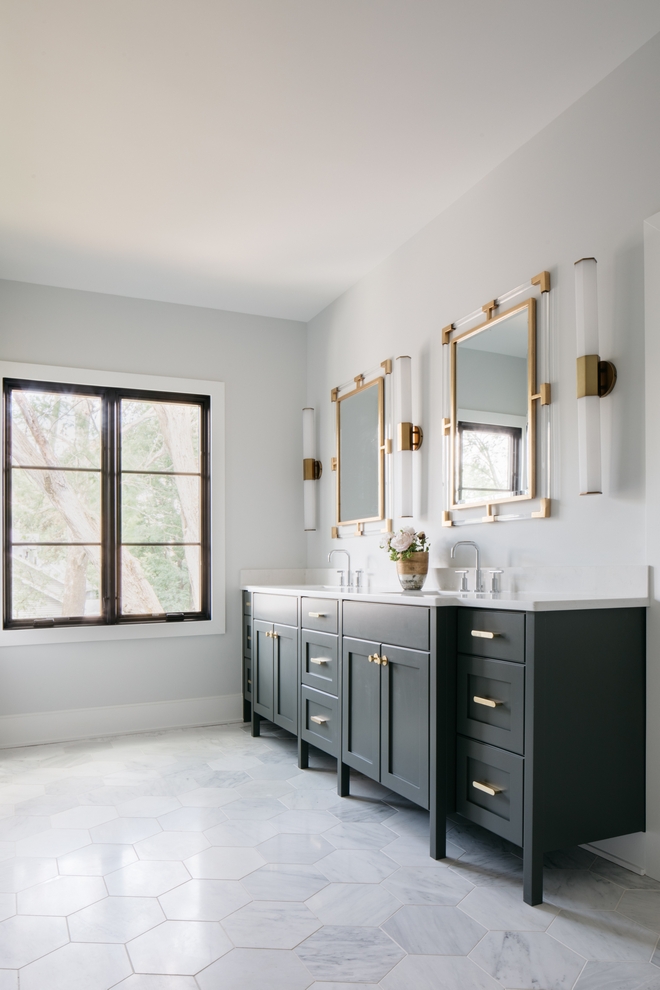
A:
(385, 716)
(247, 656)
(320, 675)
(274, 648)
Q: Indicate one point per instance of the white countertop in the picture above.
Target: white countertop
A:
(520, 601)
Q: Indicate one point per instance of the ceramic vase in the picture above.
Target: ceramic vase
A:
(412, 572)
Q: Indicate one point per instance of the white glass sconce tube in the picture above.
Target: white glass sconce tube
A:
(404, 454)
(311, 469)
(586, 319)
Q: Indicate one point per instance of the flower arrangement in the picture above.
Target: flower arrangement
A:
(405, 543)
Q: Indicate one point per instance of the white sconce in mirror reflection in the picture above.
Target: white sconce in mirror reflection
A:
(595, 378)
(312, 469)
(409, 437)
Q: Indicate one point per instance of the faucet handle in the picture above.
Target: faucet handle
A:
(495, 579)
(464, 580)
(358, 579)
(342, 579)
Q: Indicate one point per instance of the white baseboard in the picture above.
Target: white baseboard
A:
(633, 867)
(86, 723)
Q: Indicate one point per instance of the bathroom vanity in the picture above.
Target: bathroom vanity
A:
(524, 714)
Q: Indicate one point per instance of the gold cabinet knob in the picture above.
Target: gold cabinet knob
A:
(384, 661)
(374, 658)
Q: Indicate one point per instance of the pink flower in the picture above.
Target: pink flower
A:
(403, 540)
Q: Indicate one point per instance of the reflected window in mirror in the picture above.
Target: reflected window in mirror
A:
(490, 460)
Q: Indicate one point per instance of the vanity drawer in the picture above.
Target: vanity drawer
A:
(320, 720)
(320, 668)
(500, 723)
(398, 625)
(247, 603)
(247, 635)
(501, 810)
(247, 679)
(275, 608)
(507, 641)
(319, 613)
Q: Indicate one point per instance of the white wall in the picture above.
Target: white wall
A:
(582, 187)
(262, 362)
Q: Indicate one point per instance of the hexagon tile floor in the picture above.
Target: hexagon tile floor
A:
(205, 860)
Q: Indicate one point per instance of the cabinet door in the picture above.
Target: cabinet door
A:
(405, 723)
(361, 708)
(262, 668)
(285, 701)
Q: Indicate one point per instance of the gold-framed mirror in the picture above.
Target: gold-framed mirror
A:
(493, 410)
(360, 432)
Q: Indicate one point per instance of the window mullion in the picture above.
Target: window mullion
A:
(110, 506)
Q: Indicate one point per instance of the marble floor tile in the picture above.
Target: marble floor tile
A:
(259, 771)
(146, 879)
(319, 779)
(577, 889)
(97, 859)
(78, 966)
(18, 874)
(236, 761)
(222, 863)
(210, 797)
(178, 947)
(643, 906)
(149, 806)
(204, 900)
(415, 885)
(500, 907)
(439, 973)
(60, 896)
(144, 981)
(360, 810)
(575, 858)
(288, 848)
(604, 935)
(22, 940)
(341, 986)
(86, 816)
(360, 835)
(53, 842)
(191, 819)
(413, 850)
(284, 882)
(125, 830)
(253, 809)
(240, 833)
(309, 799)
(7, 907)
(256, 969)
(115, 919)
(8, 979)
(528, 960)
(171, 845)
(357, 866)
(15, 793)
(349, 954)
(410, 821)
(22, 827)
(363, 904)
(271, 925)
(303, 821)
(624, 878)
(260, 789)
(427, 930)
(618, 976)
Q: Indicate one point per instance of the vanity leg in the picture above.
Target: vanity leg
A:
(256, 723)
(438, 832)
(532, 875)
(343, 779)
(247, 710)
(303, 754)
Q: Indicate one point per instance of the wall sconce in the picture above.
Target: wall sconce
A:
(312, 469)
(595, 378)
(409, 437)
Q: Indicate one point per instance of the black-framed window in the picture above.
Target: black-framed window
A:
(489, 461)
(106, 505)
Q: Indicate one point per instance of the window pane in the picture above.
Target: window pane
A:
(59, 506)
(160, 436)
(56, 428)
(157, 508)
(160, 579)
(55, 581)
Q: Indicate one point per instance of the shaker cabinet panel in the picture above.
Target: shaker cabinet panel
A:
(320, 662)
(275, 608)
(319, 613)
(262, 669)
(361, 708)
(491, 701)
(285, 654)
(405, 723)
(401, 625)
(319, 720)
(489, 788)
(496, 634)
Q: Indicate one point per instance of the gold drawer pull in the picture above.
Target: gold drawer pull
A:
(488, 702)
(272, 635)
(319, 660)
(319, 719)
(481, 634)
(317, 615)
(491, 789)
(374, 658)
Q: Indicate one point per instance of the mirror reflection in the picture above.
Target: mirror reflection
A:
(359, 454)
(492, 427)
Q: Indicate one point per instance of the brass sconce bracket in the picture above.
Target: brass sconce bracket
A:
(446, 333)
(410, 437)
(543, 281)
(312, 470)
(594, 377)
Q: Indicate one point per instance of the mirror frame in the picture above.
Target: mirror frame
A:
(530, 306)
(379, 383)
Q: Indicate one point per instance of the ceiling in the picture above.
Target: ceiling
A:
(263, 155)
